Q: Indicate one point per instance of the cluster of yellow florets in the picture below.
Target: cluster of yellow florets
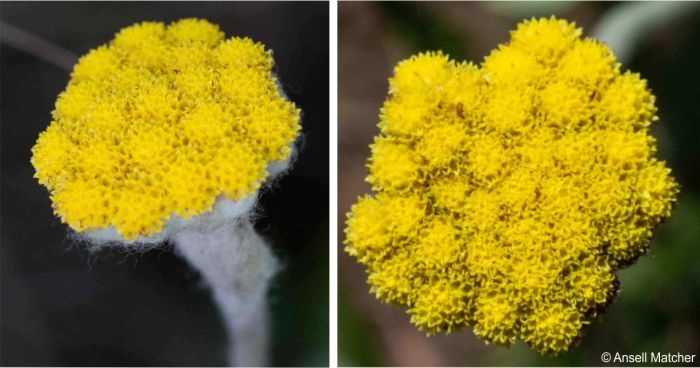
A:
(507, 195)
(161, 121)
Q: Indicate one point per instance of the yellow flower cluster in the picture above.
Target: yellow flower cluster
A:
(507, 194)
(160, 121)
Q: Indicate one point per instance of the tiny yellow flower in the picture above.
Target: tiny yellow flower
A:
(508, 194)
(158, 123)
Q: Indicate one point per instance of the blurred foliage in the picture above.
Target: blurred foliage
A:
(422, 30)
(299, 302)
(527, 9)
(628, 24)
(357, 346)
(657, 308)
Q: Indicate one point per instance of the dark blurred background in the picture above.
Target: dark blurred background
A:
(658, 309)
(64, 306)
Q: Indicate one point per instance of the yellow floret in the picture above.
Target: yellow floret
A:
(508, 195)
(393, 165)
(496, 317)
(440, 306)
(422, 73)
(552, 327)
(437, 245)
(379, 224)
(545, 40)
(159, 122)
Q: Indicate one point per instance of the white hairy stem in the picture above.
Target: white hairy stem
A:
(237, 265)
(234, 261)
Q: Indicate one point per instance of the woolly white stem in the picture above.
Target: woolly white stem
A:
(238, 265)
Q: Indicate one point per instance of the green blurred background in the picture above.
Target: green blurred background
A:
(658, 309)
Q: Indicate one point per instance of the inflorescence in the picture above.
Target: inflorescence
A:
(507, 195)
(159, 122)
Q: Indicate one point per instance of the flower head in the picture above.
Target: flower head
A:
(159, 122)
(507, 195)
